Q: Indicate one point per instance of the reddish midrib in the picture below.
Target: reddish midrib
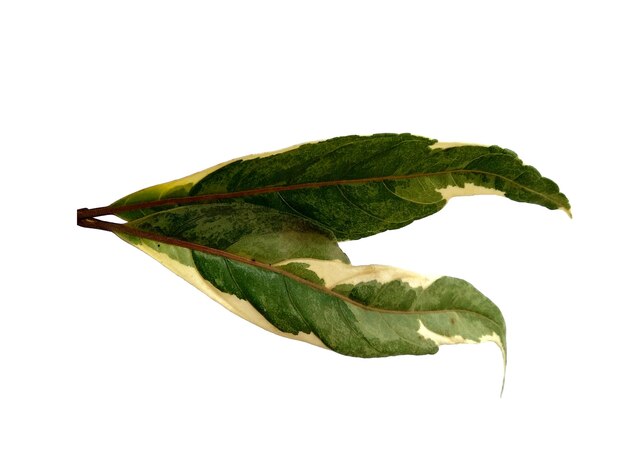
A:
(111, 210)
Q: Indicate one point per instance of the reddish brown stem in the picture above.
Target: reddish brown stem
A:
(112, 210)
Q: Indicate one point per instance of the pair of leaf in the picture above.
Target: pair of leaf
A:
(259, 235)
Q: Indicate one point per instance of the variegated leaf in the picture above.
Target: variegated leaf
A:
(357, 186)
(266, 274)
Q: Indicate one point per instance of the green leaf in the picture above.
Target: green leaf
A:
(358, 186)
(309, 291)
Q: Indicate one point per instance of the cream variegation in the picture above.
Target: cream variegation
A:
(468, 189)
(449, 145)
(335, 272)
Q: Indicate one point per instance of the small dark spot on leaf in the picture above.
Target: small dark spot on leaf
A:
(453, 320)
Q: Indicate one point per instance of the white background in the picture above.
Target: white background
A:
(107, 360)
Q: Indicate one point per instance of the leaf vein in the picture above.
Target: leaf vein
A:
(406, 199)
(343, 316)
(352, 203)
(304, 216)
(297, 309)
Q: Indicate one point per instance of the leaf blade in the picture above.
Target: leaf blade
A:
(357, 186)
(364, 311)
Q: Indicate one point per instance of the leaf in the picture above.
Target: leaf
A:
(259, 235)
(358, 186)
(365, 311)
